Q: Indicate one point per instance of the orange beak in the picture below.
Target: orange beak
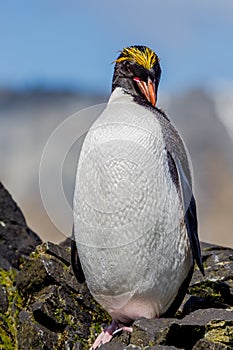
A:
(148, 90)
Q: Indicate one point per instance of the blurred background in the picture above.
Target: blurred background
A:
(55, 60)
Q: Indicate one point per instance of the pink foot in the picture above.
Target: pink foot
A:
(106, 335)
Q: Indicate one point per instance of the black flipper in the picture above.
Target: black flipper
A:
(75, 262)
(190, 214)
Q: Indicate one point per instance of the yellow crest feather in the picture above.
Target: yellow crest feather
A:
(146, 58)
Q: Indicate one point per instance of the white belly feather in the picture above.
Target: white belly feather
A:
(128, 218)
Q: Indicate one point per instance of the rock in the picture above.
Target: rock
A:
(204, 344)
(3, 299)
(42, 306)
(161, 347)
(147, 332)
(114, 346)
(34, 336)
(16, 238)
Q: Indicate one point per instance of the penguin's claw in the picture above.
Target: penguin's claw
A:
(108, 333)
(123, 329)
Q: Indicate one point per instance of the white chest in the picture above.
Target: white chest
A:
(127, 212)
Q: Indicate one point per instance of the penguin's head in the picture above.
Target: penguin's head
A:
(137, 71)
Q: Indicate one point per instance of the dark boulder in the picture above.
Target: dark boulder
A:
(16, 238)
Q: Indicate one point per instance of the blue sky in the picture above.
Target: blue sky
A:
(71, 42)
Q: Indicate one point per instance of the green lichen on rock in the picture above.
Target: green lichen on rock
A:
(9, 317)
(220, 332)
(207, 289)
(54, 300)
